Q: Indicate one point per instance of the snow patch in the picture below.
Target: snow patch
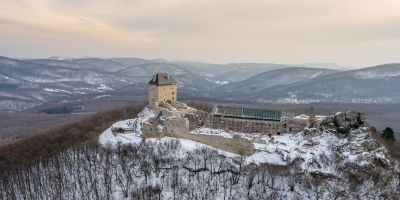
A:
(108, 137)
(211, 131)
(316, 74)
(56, 90)
(374, 74)
(104, 87)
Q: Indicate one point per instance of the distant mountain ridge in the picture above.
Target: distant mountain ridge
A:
(272, 78)
(27, 83)
(369, 85)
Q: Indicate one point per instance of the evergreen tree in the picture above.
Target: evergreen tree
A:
(388, 134)
(311, 119)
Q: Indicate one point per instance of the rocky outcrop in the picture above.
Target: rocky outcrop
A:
(349, 119)
(343, 122)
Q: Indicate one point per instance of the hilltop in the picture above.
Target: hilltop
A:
(329, 165)
(355, 164)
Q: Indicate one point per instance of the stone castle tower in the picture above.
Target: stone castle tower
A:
(162, 88)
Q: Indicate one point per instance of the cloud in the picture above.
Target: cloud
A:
(284, 31)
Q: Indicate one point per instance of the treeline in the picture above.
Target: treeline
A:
(162, 171)
(44, 145)
(392, 145)
(68, 163)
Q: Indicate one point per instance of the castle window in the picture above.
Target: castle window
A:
(173, 93)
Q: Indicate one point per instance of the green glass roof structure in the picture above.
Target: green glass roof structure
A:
(247, 113)
(262, 114)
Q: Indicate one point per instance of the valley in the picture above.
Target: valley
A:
(45, 87)
(26, 84)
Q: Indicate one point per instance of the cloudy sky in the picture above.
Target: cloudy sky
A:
(346, 32)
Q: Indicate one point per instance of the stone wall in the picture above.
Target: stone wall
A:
(176, 125)
(196, 119)
(162, 93)
(149, 130)
(236, 145)
(294, 125)
(177, 119)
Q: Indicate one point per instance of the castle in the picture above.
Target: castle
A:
(175, 117)
(229, 128)
(178, 120)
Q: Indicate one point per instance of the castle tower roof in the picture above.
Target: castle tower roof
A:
(162, 79)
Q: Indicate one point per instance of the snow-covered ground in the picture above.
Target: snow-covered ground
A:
(211, 131)
(108, 137)
(315, 153)
(189, 145)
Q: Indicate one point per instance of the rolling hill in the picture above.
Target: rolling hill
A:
(369, 85)
(265, 80)
(29, 83)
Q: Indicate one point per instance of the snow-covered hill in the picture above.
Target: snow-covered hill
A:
(316, 154)
(329, 156)
(55, 82)
(325, 166)
(24, 84)
(265, 80)
(369, 85)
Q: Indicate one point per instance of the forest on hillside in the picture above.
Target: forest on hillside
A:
(157, 171)
(68, 163)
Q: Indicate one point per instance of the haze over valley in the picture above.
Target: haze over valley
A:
(83, 85)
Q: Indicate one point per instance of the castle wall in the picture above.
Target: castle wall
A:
(176, 125)
(294, 125)
(149, 130)
(235, 145)
(196, 119)
(162, 93)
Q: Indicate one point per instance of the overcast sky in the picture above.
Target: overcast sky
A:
(346, 32)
